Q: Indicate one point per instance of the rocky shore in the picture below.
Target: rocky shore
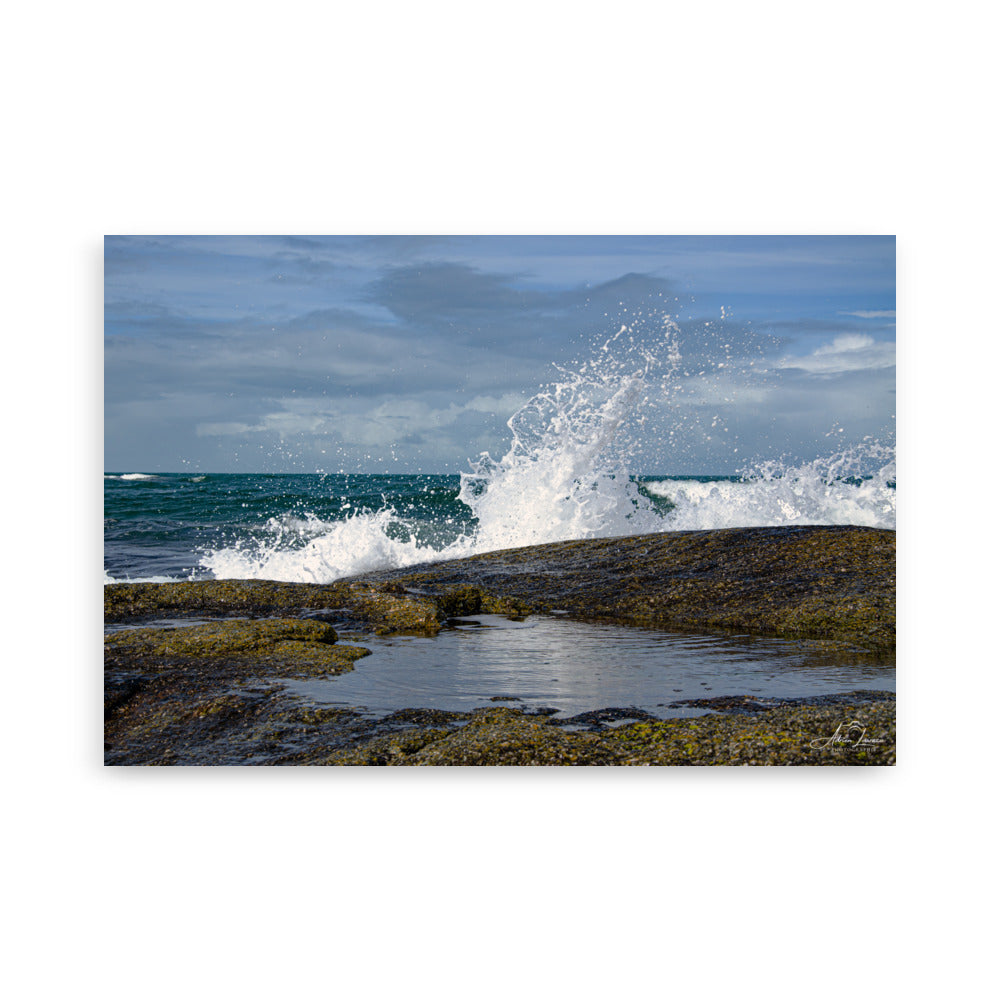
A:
(210, 691)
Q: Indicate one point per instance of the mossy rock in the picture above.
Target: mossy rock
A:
(794, 735)
(507, 738)
(221, 638)
(387, 750)
(390, 611)
(284, 647)
(469, 600)
(836, 583)
(386, 608)
(823, 582)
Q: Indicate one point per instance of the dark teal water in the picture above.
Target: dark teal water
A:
(317, 528)
(165, 524)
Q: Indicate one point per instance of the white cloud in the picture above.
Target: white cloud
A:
(379, 425)
(502, 406)
(872, 314)
(223, 429)
(284, 423)
(848, 352)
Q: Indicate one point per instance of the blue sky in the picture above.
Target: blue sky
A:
(409, 354)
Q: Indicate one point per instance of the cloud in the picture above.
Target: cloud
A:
(390, 420)
(499, 405)
(510, 311)
(848, 352)
(299, 268)
(447, 291)
(224, 429)
(872, 314)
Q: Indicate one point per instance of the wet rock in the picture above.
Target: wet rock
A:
(598, 718)
(220, 638)
(863, 735)
(858, 735)
(286, 647)
(385, 608)
(423, 717)
(818, 582)
(501, 737)
(750, 705)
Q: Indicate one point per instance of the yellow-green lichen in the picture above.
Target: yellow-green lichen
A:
(281, 646)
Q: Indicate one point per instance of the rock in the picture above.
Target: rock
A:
(817, 582)
(211, 693)
(385, 608)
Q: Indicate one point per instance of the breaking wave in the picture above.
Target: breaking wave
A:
(567, 475)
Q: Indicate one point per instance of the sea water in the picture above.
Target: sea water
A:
(548, 663)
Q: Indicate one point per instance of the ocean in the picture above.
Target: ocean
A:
(162, 526)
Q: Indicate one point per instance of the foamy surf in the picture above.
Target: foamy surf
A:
(779, 495)
(334, 549)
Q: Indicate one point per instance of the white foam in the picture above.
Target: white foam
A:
(108, 578)
(805, 494)
(336, 549)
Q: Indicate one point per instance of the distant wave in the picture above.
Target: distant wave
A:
(133, 475)
(109, 579)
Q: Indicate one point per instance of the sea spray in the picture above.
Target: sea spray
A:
(776, 493)
(568, 474)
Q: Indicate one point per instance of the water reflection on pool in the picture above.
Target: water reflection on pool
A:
(576, 667)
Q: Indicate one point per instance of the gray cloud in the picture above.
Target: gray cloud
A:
(873, 314)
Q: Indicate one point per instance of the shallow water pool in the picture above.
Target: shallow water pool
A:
(574, 667)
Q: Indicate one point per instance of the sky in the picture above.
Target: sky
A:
(409, 354)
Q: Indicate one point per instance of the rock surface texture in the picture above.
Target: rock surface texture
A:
(210, 692)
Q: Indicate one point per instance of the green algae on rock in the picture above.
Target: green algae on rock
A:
(279, 646)
(817, 582)
(386, 608)
(268, 728)
(789, 735)
(221, 638)
(492, 736)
